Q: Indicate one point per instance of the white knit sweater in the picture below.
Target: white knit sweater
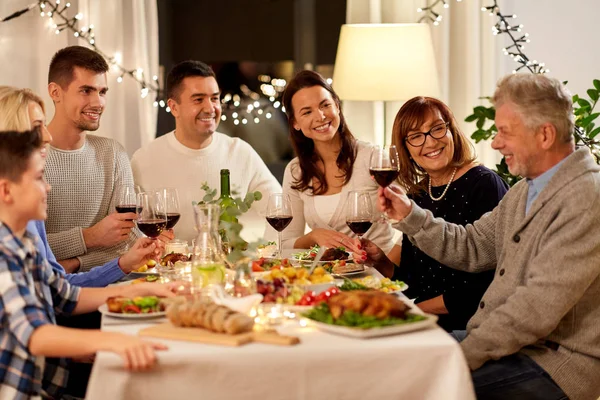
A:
(303, 204)
(165, 162)
(83, 183)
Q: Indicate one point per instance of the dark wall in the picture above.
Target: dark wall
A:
(217, 31)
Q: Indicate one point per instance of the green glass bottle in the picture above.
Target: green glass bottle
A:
(225, 200)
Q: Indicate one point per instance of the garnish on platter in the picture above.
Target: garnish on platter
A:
(363, 310)
(299, 276)
(385, 285)
(266, 264)
(136, 305)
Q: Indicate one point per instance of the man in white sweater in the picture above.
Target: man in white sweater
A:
(195, 152)
(83, 170)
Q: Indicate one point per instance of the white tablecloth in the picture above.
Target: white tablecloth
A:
(426, 364)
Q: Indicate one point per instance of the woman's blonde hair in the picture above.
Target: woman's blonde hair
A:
(14, 108)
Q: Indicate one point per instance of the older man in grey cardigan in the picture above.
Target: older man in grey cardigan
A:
(536, 334)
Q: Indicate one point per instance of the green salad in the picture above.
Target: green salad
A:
(353, 319)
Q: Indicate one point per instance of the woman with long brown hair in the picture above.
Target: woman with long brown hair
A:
(439, 172)
(330, 163)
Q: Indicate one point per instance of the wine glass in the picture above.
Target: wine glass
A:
(151, 213)
(279, 215)
(385, 168)
(172, 205)
(126, 199)
(359, 212)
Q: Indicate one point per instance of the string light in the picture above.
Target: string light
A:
(56, 11)
(502, 27)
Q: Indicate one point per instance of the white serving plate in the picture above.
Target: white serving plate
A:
(104, 311)
(360, 333)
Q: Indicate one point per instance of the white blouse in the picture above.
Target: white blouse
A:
(304, 206)
(326, 205)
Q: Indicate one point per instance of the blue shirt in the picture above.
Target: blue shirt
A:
(97, 277)
(538, 184)
(30, 294)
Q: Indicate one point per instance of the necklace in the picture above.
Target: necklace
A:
(445, 190)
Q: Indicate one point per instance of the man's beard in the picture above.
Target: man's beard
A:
(88, 125)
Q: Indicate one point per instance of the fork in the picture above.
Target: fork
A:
(317, 259)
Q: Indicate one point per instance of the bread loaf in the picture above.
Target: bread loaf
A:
(209, 316)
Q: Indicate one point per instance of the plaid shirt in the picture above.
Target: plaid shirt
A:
(30, 293)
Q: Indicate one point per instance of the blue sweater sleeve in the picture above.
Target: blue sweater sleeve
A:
(97, 277)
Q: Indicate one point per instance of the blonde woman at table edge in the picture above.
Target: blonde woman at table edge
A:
(438, 170)
(330, 162)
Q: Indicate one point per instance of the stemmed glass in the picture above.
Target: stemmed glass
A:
(126, 199)
(385, 168)
(151, 213)
(172, 205)
(279, 215)
(359, 212)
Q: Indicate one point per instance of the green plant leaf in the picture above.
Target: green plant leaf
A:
(479, 110)
(257, 196)
(480, 122)
(594, 133)
(584, 103)
(593, 94)
(471, 118)
(585, 121)
(597, 84)
(490, 113)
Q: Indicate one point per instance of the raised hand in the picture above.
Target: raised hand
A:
(143, 250)
(393, 201)
(369, 254)
(112, 229)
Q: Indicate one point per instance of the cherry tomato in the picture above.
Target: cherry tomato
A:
(342, 263)
(285, 261)
(256, 267)
(334, 290)
(132, 309)
(261, 261)
(313, 254)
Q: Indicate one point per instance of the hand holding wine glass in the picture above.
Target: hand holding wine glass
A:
(279, 215)
(385, 168)
(126, 199)
(151, 213)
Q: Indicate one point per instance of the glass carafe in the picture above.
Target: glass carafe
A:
(208, 262)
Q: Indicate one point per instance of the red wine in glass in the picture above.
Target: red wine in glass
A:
(384, 176)
(172, 219)
(152, 227)
(126, 208)
(280, 222)
(279, 215)
(360, 227)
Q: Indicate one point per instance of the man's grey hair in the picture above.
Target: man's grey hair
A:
(539, 99)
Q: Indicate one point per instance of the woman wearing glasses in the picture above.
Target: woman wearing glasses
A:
(438, 170)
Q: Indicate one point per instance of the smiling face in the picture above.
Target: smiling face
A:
(517, 143)
(315, 113)
(83, 101)
(197, 112)
(30, 193)
(38, 119)
(435, 155)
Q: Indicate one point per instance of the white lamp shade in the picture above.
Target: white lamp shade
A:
(385, 62)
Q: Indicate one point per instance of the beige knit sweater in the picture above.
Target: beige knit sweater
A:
(547, 283)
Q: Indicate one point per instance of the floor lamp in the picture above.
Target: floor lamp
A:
(385, 62)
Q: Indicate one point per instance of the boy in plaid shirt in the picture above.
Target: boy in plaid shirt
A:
(31, 291)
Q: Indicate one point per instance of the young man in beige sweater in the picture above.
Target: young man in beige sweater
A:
(536, 334)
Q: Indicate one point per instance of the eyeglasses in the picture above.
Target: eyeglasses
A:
(437, 132)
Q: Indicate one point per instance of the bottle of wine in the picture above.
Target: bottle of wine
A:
(225, 200)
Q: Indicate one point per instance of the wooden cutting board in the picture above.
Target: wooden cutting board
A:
(169, 331)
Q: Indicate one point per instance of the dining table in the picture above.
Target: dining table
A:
(423, 364)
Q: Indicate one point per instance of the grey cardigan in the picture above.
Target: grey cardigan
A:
(547, 282)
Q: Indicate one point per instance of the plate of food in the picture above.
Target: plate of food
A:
(331, 254)
(385, 285)
(133, 308)
(268, 249)
(345, 268)
(268, 263)
(367, 314)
